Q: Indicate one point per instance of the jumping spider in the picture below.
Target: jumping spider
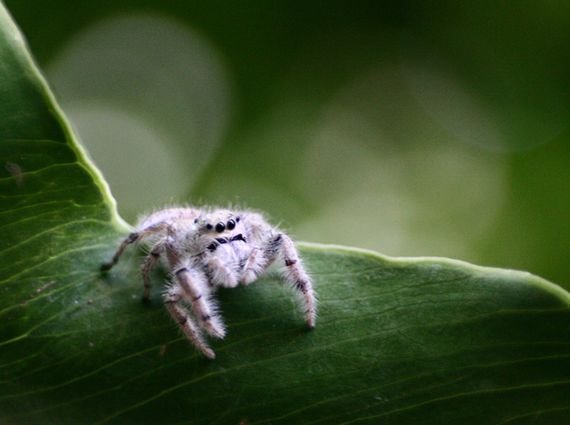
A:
(207, 248)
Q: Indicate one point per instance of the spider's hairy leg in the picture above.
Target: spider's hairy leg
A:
(194, 284)
(132, 238)
(187, 325)
(295, 274)
(149, 263)
(254, 266)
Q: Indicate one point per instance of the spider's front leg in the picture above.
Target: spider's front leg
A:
(194, 290)
(282, 247)
(183, 319)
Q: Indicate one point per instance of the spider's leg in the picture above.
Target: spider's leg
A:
(132, 238)
(254, 266)
(149, 263)
(195, 292)
(294, 273)
(187, 325)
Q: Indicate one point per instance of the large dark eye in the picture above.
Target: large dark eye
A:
(231, 224)
(220, 227)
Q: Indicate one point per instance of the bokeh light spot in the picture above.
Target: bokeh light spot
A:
(144, 68)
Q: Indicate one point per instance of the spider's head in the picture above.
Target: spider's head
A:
(218, 223)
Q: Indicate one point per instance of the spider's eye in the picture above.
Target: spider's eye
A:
(220, 227)
(209, 226)
(195, 220)
(237, 219)
(231, 224)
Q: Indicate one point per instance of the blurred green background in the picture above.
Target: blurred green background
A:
(408, 127)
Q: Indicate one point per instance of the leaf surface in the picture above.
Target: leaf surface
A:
(398, 341)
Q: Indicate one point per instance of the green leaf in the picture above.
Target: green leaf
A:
(426, 341)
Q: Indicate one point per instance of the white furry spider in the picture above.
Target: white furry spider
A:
(207, 248)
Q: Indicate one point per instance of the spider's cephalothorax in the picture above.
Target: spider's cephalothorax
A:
(207, 248)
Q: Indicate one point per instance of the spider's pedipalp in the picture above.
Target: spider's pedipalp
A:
(254, 266)
(221, 273)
